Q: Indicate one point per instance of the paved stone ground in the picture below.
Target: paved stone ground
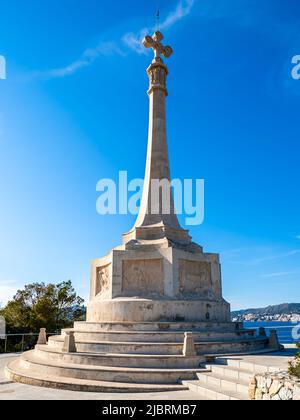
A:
(14, 391)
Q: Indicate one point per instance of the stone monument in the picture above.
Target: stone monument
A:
(156, 311)
(158, 274)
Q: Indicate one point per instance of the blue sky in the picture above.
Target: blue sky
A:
(74, 110)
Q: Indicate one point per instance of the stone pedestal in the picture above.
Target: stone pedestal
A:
(42, 338)
(69, 345)
(189, 345)
(165, 284)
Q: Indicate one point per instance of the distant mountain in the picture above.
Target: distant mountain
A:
(283, 309)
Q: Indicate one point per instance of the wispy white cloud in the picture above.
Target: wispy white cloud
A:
(276, 257)
(182, 10)
(133, 40)
(232, 256)
(86, 59)
(129, 40)
(230, 253)
(279, 274)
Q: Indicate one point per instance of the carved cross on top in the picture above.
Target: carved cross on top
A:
(154, 42)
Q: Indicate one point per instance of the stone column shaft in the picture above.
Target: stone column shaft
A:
(157, 218)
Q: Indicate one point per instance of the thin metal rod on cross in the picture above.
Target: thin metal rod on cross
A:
(157, 19)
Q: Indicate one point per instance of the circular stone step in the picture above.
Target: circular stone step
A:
(17, 374)
(156, 336)
(120, 347)
(237, 345)
(157, 326)
(121, 360)
(32, 363)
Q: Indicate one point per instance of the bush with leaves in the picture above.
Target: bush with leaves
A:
(294, 368)
(52, 306)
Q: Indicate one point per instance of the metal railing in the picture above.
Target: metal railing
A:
(13, 343)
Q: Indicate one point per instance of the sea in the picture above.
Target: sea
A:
(288, 332)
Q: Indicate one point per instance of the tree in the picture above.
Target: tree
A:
(52, 306)
(294, 369)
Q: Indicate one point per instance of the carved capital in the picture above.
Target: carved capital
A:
(157, 73)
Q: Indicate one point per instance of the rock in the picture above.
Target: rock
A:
(288, 385)
(260, 382)
(296, 393)
(275, 388)
(285, 394)
(258, 394)
(252, 388)
(269, 383)
(266, 384)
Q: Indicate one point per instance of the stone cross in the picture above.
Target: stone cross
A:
(154, 42)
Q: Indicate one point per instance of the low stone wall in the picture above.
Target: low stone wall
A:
(274, 386)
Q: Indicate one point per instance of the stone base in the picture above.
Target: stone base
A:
(146, 297)
(131, 356)
(148, 310)
(157, 281)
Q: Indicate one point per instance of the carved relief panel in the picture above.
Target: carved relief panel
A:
(194, 277)
(143, 276)
(103, 277)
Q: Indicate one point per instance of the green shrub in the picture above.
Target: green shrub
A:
(294, 368)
